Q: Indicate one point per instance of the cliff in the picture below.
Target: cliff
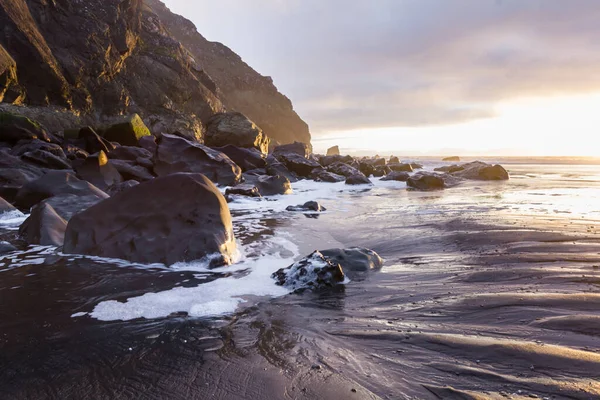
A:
(73, 63)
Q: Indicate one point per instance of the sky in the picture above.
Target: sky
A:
(431, 77)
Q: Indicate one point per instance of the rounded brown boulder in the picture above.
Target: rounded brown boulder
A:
(179, 217)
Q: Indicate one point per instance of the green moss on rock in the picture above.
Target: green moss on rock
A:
(128, 132)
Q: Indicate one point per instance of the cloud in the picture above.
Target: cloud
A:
(363, 63)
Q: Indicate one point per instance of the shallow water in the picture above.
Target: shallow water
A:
(490, 289)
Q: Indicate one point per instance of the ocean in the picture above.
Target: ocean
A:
(488, 290)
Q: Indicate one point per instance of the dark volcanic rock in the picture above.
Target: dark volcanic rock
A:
(67, 205)
(271, 185)
(54, 183)
(16, 127)
(400, 167)
(298, 148)
(333, 151)
(144, 225)
(5, 206)
(299, 165)
(130, 171)
(340, 168)
(449, 168)
(355, 260)
(121, 187)
(278, 169)
(478, 170)
(176, 154)
(358, 179)
(396, 176)
(129, 153)
(93, 142)
(98, 171)
(244, 190)
(246, 159)
(426, 181)
(308, 206)
(233, 128)
(46, 160)
(128, 132)
(321, 175)
(313, 272)
(44, 226)
(148, 143)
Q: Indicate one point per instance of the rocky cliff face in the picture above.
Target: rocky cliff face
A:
(73, 63)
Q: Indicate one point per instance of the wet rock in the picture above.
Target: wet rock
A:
(175, 154)
(148, 143)
(128, 132)
(143, 224)
(478, 170)
(358, 179)
(129, 170)
(298, 148)
(247, 159)
(277, 168)
(5, 206)
(314, 272)
(322, 175)
(426, 181)
(308, 206)
(121, 187)
(396, 176)
(449, 168)
(98, 171)
(366, 168)
(243, 190)
(67, 205)
(271, 185)
(299, 165)
(26, 146)
(44, 226)
(340, 168)
(129, 153)
(451, 159)
(234, 128)
(380, 171)
(416, 165)
(400, 167)
(17, 127)
(354, 260)
(54, 183)
(46, 160)
(93, 142)
(6, 247)
(333, 151)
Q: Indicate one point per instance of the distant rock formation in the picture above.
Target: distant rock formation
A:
(333, 151)
(452, 159)
(75, 64)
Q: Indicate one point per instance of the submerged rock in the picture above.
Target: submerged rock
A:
(234, 128)
(180, 217)
(355, 260)
(44, 226)
(313, 272)
(176, 154)
(308, 206)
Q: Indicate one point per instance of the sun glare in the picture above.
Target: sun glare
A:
(555, 126)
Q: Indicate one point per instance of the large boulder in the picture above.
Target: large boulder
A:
(314, 272)
(271, 185)
(396, 176)
(129, 170)
(145, 224)
(128, 132)
(276, 168)
(298, 148)
(449, 168)
(175, 154)
(299, 165)
(340, 168)
(358, 179)
(17, 127)
(233, 128)
(54, 183)
(321, 175)
(426, 181)
(333, 151)
(478, 170)
(67, 205)
(247, 159)
(98, 171)
(44, 226)
(121, 187)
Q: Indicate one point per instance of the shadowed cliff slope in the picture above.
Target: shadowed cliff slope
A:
(74, 63)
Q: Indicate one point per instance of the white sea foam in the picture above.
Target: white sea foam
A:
(11, 220)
